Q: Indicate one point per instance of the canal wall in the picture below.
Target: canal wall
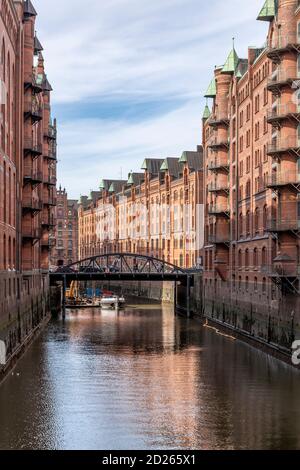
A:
(271, 324)
(24, 310)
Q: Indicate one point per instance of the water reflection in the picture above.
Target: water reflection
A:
(145, 379)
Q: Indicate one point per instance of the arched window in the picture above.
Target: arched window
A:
(255, 257)
(264, 256)
(247, 258)
(248, 222)
(256, 219)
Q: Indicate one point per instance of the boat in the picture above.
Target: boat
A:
(112, 301)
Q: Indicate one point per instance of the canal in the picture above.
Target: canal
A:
(144, 379)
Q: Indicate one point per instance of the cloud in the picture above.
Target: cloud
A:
(154, 59)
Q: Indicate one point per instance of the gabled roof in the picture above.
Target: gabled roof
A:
(171, 165)
(135, 178)
(117, 186)
(231, 62)
(194, 160)
(152, 165)
(268, 11)
(212, 89)
(37, 45)
(29, 9)
(206, 112)
(46, 84)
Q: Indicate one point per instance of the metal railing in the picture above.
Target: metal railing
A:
(283, 179)
(30, 203)
(50, 132)
(216, 239)
(218, 209)
(219, 142)
(283, 110)
(283, 41)
(283, 75)
(51, 180)
(215, 187)
(281, 269)
(32, 146)
(31, 232)
(218, 118)
(34, 110)
(33, 175)
(218, 163)
(283, 225)
(281, 145)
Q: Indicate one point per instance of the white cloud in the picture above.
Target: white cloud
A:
(137, 50)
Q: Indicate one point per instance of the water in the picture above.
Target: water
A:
(144, 379)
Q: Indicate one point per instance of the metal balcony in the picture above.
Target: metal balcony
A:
(284, 180)
(216, 210)
(219, 165)
(281, 112)
(31, 233)
(283, 43)
(48, 221)
(33, 111)
(50, 201)
(280, 225)
(51, 155)
(32, 176)
(50, 180)
(218, 187)
(218, 120)
(286, 275)
(30, 204)
(48, 242)
(31, 147)
(219, 240)
(50, 132)
(282, 77)
(218, 143)
(279, 146)
(33, 82)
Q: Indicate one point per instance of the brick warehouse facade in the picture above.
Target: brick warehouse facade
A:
(145, 214)
(27, 176)
(64, 250)
(251, 140)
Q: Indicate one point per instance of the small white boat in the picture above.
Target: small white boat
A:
(112, 302)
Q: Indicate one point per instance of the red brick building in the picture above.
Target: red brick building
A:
(65, 249)
(252, 181)
(27, 175)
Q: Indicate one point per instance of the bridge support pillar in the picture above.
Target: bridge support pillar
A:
(188, 296)
(64, 288)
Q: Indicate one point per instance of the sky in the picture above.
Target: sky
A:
(129, 77)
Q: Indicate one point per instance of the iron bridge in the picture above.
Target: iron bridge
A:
(124, 267)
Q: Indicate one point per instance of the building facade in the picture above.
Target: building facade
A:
(252, 184)
(65, 247)
(27, 175)
(155, 212)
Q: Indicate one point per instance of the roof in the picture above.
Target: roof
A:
(268, 11)
(171, 165)
(206, 112)
(135, 178)
(106, 184)
(194, 160)
(152, 165)
(117, 186)
(212, 89)
(29, 9)
(37, 45)
(46, 84)
(231, 62)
